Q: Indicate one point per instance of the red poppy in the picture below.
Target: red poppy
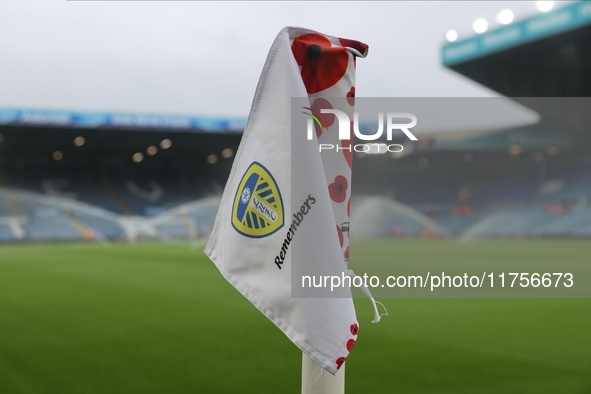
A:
(322, 64)
(338, 189)
(349, 208)
(340, 361)
(351, 96)
(340, 232)
(354, 329)
(327, 119)
(347, 253)
(350, 344)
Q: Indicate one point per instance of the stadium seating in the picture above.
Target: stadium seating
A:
(102, 228)
(579, 187)
(6, 234)
(5, 208)
(76, 204)
(51, 228)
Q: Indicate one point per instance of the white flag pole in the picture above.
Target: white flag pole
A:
(315, 380)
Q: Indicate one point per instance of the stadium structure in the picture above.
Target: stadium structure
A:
(91, 176)
(68, 176)
(529, 181)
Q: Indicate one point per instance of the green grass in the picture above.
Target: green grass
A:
(158, 318)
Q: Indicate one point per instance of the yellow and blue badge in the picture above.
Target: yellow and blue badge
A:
(258, 208)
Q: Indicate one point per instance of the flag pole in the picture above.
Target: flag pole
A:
(317, 381)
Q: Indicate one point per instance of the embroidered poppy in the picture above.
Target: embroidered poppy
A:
(340, 361)
(351, 96)
(322, 64)
(350, 344)
(354, 329)
(338, 189)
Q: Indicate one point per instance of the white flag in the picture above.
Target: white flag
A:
(285, 208)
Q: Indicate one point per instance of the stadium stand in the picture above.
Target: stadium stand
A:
(86, 181)
(6, 234)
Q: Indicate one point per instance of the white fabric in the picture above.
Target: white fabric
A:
(323, 328)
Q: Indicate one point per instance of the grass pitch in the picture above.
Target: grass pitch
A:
(159, 318)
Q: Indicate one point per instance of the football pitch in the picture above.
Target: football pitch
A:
(159, 318)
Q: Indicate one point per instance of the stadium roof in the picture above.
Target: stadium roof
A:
(39, 133)
(36, 117)
(546, 55)
(531, 29)
(542, 62)
(41, 142)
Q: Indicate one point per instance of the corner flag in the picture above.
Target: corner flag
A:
(283, 195)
